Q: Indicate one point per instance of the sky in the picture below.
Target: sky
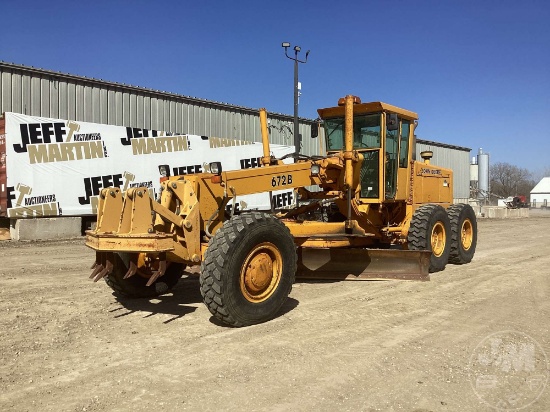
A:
(476, 72)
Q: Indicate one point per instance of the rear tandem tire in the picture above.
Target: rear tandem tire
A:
(430, 230)
(248, 269)
(463, 233)
(136, 285)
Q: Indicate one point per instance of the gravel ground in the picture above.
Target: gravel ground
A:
(474, 338)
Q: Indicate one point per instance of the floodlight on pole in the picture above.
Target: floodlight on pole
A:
(296, 49)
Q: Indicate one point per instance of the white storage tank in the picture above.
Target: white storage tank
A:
(483, 175)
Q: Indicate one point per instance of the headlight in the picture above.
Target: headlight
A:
(164, 170)
(315, 170)
(216, 168)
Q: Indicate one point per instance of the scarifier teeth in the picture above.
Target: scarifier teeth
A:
(94, 265)
(158, 273)
(131, 270)
(97, 268)
(108, 269)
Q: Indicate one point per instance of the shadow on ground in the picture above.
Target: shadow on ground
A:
(288, 306)
(175, 303)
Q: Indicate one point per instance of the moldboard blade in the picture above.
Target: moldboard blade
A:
(357, 263)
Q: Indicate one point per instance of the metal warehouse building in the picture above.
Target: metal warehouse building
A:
(45, 93)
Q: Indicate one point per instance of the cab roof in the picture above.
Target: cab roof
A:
(364, 108)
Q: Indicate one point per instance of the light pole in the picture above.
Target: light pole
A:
(297, 49)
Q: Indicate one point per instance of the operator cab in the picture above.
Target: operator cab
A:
(382, 133)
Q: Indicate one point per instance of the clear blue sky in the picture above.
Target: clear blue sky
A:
(477, 72)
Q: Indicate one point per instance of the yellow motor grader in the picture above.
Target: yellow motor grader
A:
(366, 210)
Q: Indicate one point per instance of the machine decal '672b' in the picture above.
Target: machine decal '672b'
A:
(281, 180)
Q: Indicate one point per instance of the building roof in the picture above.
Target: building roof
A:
(542, 187)
(138, 89)
(444, 145)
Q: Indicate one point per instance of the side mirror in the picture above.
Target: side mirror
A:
(392, 122)
(314, 130)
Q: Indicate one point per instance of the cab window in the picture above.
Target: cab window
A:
(404, 146)
(392, 139)
(366, 132)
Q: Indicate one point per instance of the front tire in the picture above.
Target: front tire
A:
(430, 230)
(136, 285)
(248, 269)
(463, 233)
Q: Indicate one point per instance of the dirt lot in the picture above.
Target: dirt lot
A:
(68, 344)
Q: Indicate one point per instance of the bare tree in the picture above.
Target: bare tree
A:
(509, 180)
(538, 174)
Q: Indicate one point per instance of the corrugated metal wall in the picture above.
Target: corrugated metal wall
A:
(452, 157)
(38, 92)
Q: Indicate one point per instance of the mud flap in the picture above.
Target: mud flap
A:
(356, 263)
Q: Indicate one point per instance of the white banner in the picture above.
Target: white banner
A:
(58, 167)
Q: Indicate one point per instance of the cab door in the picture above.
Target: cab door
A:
(397, 158)
(368, 140)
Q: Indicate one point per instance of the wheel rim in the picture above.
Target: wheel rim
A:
(261, 272)
(438, 239)
(466, 234)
